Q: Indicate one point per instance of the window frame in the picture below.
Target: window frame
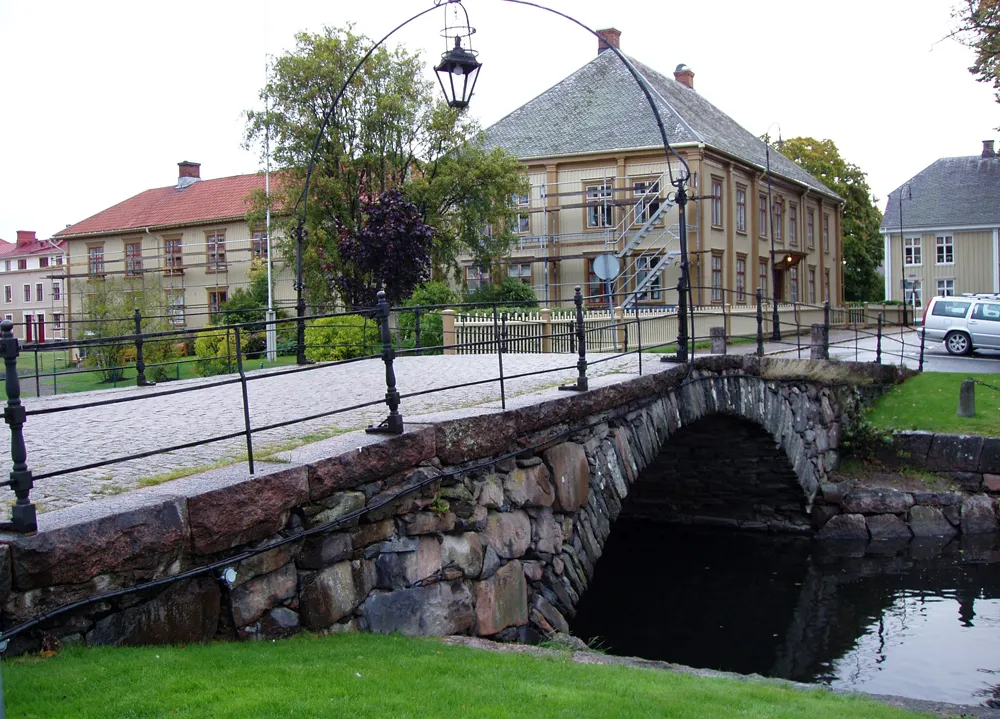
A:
(215, 258)
(645, 207)
(942, 245)
(39, 292)
(916, 252)
(762, 216)
(133, 259)
(26, 293)
(741, 279)
(763, 270)
(173, 255)
(95, 260)
(520, 223)
(715, 270)
(741, 209)
(643, 269)
(22, 263)
(603, 212)
(811, 278)
(778, 220)
(826, 285)
(717, 216)
(214, 301)
(479, 279)
(258, 245)
(518, 274)
(948, 291)
(826, 232)
(56, 291)
(793, 282)
(810, 228)
(793, 224)
(175, 318)
(8, 294)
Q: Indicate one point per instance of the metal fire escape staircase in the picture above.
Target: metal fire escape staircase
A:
(654, 257)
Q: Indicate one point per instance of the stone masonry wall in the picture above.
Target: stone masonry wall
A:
(500, 537)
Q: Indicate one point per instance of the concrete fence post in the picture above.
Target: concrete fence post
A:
(546, 330)
(819, 348)
(619, 329)
(967, 398)
(718, 338)
(448, 332)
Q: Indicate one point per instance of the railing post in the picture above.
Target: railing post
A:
(921, 367)
(826, 318)
(246, 399)
(393, 424)
(140, 363)
(798, 330)
(682, 320)
(38, 379)
(819, 342)
(416, 329)
(503, 330)
(23, 517)
(638, 335)
(498, 340)
(448, 332)
(878, 345)
(760, 322)
(546, 330)
(581, 341)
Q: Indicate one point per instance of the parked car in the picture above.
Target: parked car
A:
(964, 323)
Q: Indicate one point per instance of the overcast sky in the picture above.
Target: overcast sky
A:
(100, 100)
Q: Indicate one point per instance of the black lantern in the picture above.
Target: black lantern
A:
(457, 72)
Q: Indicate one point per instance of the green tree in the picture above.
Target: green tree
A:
(979, 29)
(386, 132)
(862, 240)
(108, 307)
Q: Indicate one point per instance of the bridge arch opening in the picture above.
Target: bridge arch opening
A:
(721, 470)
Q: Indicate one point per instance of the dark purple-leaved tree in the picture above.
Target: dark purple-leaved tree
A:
(390, 251)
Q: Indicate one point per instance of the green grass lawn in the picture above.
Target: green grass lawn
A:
(56, 373)
(701, 345)
(929, 401)
(363, 675)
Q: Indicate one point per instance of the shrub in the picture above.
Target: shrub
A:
(509, 292)
(216, 353)
(339, 338)
(429, 293)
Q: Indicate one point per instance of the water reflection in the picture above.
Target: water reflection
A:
(920, 619)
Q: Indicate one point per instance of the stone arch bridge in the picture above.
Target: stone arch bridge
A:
(478, 521)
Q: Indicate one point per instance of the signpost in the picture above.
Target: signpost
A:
(607, 267)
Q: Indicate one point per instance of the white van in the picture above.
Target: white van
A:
(964, 323)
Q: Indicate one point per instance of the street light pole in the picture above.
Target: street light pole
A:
(902, 250)
(775, 316)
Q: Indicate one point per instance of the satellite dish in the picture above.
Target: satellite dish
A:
(606, 266)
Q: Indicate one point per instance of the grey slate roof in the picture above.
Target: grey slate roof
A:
(601, 108)
(951, 192)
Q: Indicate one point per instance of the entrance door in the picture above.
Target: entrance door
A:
(29, 326)
(779, 285)
(41, 328)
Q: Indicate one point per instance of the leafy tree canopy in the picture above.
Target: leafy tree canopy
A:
(979, 29)
(862, 240)
(386, 132)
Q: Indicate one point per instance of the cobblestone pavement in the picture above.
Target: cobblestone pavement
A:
(78, 437)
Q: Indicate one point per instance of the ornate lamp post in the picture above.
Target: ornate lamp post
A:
(904, 190)
(457, 73)
(775, 317)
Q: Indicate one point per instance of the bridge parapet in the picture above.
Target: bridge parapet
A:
(477, 521)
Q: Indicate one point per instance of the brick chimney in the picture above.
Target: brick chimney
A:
(25, 237)
(988, 151)
(684, 75)
(188, 173)
(610, 37)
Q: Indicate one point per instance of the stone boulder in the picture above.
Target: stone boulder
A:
(979, 516)
(249, 601)
(844, 527)
(876, 501)
(529, 487)
(887, 526)
(546, 533)
(509, 533)
(434, 610)
(408, 564)
(463, 551)
(330, 595)
(930, 522)
(570, 476)
(502, 600)
(186, 612)
(954, 453)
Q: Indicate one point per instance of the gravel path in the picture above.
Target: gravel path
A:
(78, 437)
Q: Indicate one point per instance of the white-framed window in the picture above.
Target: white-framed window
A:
(946, 288)
(645, 266)
(598, 205)
(521, 272)
(57, 320)
(647, 200)
(912, 252)
(741, 209)
(26, 292)
(56, 290)
(175, 308)
(716, 202)
(716, 278)
(520, 223)
(39, 292)
(8, 293)
(915, 294)
(762, 216)
(945, 250)
(762, 273)
(475, 278)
